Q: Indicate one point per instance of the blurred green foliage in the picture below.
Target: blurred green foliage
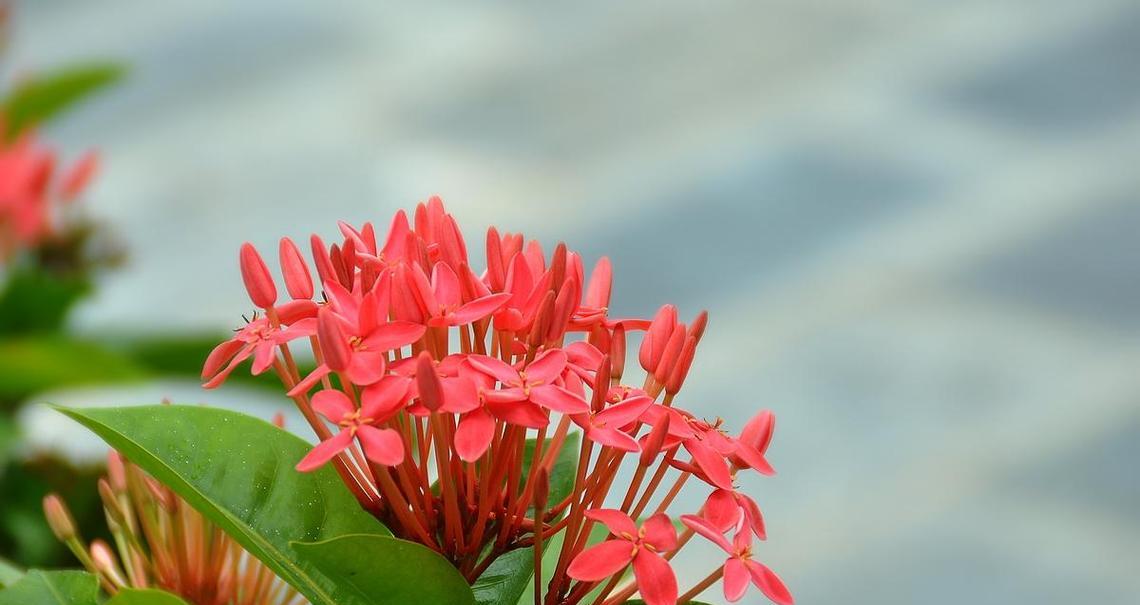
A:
(42, 97)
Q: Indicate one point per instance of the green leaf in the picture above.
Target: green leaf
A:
(510, 575)
(149, 596)
(34, 363)
(36, 300)
(9, 573)
(52, 588)
(378, 570)
(42, 97)
(238, 471)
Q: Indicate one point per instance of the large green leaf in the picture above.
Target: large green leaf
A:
(33, 363)
(510, 575)
(149, 596)
(52, 588)
(238, 472)
(40, 98)
(377, 570)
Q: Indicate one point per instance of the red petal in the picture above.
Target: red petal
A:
(721, 510)
(445, 286)
(382, 446)
(601, 561)
(394, 335)
(660, 533)
(366, 367)
(608, 436)
(220, 356)
(704, 528)
(309, 381)
(264, 353)
(494, 367)
(478, 309)
(616, 521)
(712, 463)
(601, 283)
(625, 412)
(655, 579)
(547, 366)
(474, 434)
(736, 579)
(520, 413)
(324, 451)
(381, 401)
(332, 404)
(559, 400)
(770, 584)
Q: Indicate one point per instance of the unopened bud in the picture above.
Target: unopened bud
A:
(428, 383)
(601, 385)
(617, 353)
(258, 281)
(59, 518)
(681, 368)
(117, 471)
(654, 440)
(334, 347)
(542, 320)
(105, 563)
(298, 280)
(670, 354)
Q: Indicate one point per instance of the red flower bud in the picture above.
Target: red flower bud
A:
(258, 281)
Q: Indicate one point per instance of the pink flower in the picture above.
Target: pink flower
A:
(604, 427)
(260, 339)
(730, 509)
(533, 385)
(380, 402)
(740, 568)
(642, 547)
(442, 299)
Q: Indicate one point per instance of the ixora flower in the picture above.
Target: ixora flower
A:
(34, 192)
(450, 402)
(161, 542)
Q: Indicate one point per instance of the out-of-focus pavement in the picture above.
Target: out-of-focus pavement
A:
(914, 224)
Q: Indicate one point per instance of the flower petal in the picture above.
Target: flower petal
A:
(721, 510)
(623, 413)
(393, 335)
(519, 413)
(558, 399)
(711, 463)
(770, 584)
(366, 367)
(381, 400)
(655, 579)
(707, 530)
(494, 367)
(736, 579)
(478, 309)
(445, 285)
(616, 521)
(608, 436)
(309, 381)
(474, 434)
(382, 446)
(547, 366)
(601, 561)
(324, 451)
(660, 533)
(332, 404)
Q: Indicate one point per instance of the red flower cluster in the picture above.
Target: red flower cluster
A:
(454, 392)
(32, 192)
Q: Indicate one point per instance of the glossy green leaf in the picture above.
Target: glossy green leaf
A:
(52, 588)
(9, 573)
(42, 97)
(238, 472)
(510, 575)
(378, 570)
(149, 596)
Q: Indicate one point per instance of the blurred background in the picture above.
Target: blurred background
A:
(915, 226)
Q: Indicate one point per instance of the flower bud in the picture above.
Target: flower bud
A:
(681, 368)
(325, 270)
(617, 353)
(428, 383)
(541, 489)
(298, 281)
(601, 285)
(258, 281)
(654, 440)
(334, 347)
(59, 518)
(670, 354)
(496, 272)
(117, 471)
